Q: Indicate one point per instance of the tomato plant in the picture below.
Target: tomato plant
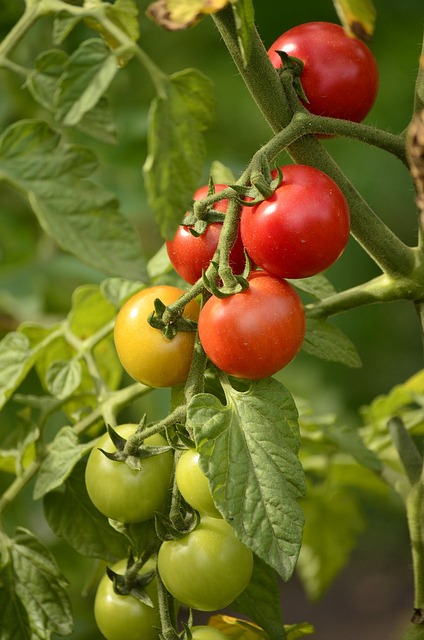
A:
(193, 484)
(147, 419)
(145, 353)
(302, 229)
(340, 74)
(255, 333)
(191, 254)
(123, 493)
(125, 616)
(207, 568)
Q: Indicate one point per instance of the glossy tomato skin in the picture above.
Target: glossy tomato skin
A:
(340, 74)
(193, 484)
(206, 632)
(302, 229)
(255, 333)
(144, 352)
(207, 568)
(125, 494)
(120, 617)
(189, 255)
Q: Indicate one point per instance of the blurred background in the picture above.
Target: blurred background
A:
(372, 597)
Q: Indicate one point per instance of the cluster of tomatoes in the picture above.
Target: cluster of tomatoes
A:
(297, 232)
(205, 569)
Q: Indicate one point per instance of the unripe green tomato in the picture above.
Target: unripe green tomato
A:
(194, 485)
(207, 568)
(125, 617)
(122, 493)
(205, 632)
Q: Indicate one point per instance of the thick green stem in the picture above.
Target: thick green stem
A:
(384, 288)
(415, 514)
(263, 82)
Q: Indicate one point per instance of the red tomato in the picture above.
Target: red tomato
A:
(189, 254)
(301, 229)
(340, 75)
(255, 333)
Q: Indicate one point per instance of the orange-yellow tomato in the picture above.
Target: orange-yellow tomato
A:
(144, 352)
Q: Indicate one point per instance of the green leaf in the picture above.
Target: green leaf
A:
(221, 174)
(300, 630)
(333, 522)
(90, 311)
(176, 147)
(37, 582)
(244, 18)
(124, 15)
(71, 515)
(63, 25)
(63, 377)
(248, 450)
(316, 286)
(117, 290)
(16, 359)
(261, 600)
(357, 16)
(64, 453)
(81, 216)
(88, 74)
(44, 84)
(328, 342)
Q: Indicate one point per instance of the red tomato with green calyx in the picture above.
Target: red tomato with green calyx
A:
(340, 74)
(190, 255)
(255, 333)
(302, 229)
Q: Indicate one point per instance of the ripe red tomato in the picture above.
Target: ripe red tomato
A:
(301, 229)
(255, 333)
(340, 74)
(189, 254)
(144, 352)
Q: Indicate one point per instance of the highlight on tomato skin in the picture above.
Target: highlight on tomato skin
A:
(302, 229)
(190, 254)
(255, 333)
(340, 74)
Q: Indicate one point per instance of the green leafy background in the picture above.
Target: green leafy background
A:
(37, 279)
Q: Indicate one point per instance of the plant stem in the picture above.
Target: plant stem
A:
(384, 288)
(415, 514)
(263, 82)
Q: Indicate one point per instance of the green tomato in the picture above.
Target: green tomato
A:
(193, 484)
(207, 568)
(125, 494)
(203, 632)
(125, 617)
